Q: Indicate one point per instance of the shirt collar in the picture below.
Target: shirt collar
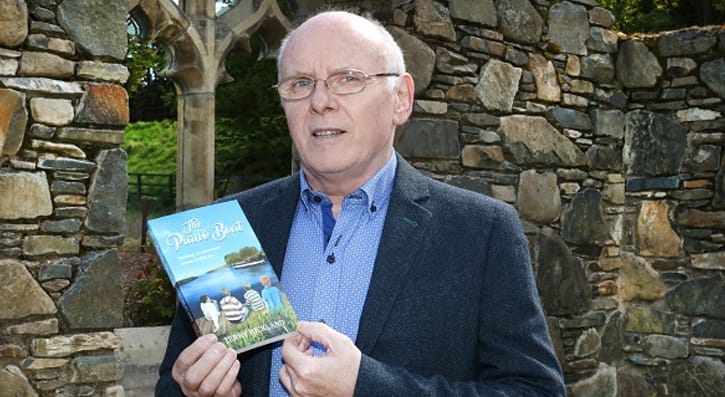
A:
(378, 187)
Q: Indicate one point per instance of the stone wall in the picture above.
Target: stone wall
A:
(63, 188)
(611, 148)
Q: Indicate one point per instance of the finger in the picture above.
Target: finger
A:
(226, 387)
(285, 378)
(291, 352)
(190, 356)
(236, 389)
(205, 375)
(221, 360)
(302, 342)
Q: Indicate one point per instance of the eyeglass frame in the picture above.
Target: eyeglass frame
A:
(314, 80)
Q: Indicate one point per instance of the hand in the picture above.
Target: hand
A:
(207, 368)
(333, 373)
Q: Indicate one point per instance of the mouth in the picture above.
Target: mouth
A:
(327, 133)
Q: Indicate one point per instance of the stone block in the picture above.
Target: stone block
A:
(498, 84)
(89, 369)
(101, 71)
(68, 345)
(654, 144)
(429, 138)
(44, 244)
(430, 21)
(13, 119)
(13, 23)
(569, 27)
(51, 111)
(15, 383)
(43, 64)
(420, 57)
(108, 193)
(637, 66)
(97, 26)
(686, 42)
(481, 12)
(104, 104)
(519, 21)
(538, 199)
(20, 288)
(94, 300)
(30, 193)
(482, 156)
(547, 145)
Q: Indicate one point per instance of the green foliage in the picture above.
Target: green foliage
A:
(251, 131)
(151, 97)
(719, 5)
(142, 60)
(150, 299)
(246, 254)
(639, 15)
(151, 146)
(649, 16)
(251, 139)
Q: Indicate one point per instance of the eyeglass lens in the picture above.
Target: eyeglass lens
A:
(345, 82)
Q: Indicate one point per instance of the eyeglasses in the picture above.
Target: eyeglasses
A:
(344, 82)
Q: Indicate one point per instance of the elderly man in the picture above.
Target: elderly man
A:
(422, 289)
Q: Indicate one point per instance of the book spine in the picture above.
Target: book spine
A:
(174, 283)
(187, 309)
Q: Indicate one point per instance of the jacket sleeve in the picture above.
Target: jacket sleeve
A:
(513, 349)
(181, 335)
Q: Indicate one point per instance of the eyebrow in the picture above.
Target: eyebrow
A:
(333, 71)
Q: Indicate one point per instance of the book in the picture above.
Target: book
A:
(222, 276)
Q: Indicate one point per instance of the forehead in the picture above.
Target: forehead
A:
(330, 44)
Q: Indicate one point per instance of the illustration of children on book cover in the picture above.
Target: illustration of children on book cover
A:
(222, 275)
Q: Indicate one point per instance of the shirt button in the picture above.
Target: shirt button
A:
(317, 199)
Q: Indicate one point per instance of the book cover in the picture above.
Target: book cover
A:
(222, 275)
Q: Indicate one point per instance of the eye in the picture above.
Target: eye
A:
(348, 78)
(301, 83)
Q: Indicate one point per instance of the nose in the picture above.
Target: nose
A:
(321, 98)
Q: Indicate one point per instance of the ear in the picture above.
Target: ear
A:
(404, 98)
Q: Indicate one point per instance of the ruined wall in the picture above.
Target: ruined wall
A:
(611, 148)
(63, 189)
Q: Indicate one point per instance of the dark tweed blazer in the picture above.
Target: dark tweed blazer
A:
(452, 308)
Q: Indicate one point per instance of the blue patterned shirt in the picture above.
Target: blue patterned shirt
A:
(328, 263)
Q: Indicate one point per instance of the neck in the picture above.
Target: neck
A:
(337, 186)
(334, 187)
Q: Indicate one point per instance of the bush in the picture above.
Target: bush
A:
(150, 298)
(151, 146)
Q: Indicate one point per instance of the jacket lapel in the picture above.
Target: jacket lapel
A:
(405, 224)
(271, 217)
(276, 212)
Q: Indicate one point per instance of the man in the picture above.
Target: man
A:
(270, 293)
(409, 287)
(253, 299)
(232, 308)
(211, 312)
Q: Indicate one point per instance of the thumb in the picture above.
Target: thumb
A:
(320, 333)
